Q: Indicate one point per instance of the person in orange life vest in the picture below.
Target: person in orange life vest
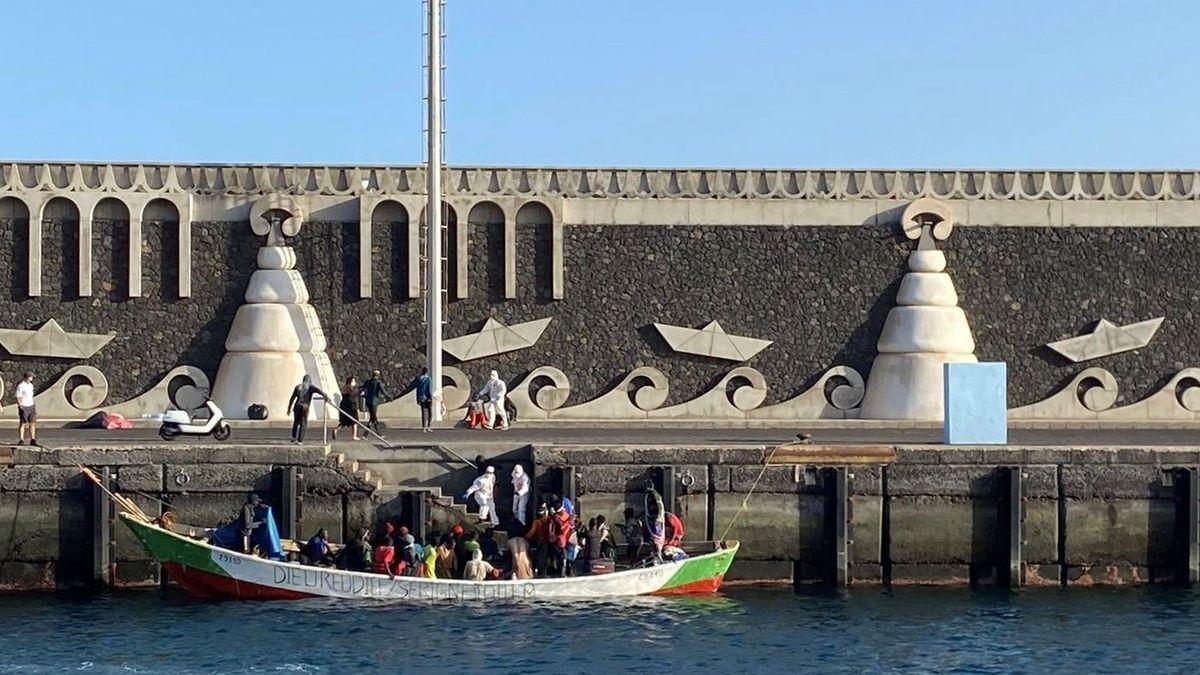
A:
(674, 530)
(384, 558)
(561, 528)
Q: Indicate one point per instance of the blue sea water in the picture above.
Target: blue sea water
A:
(1150, 630)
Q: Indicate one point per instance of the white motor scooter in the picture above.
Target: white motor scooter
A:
(179, 423)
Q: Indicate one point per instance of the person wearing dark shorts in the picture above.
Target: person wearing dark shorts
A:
(26, 410)
(374, 393)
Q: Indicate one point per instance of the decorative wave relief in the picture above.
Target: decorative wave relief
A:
(83, 391)
(641, 394)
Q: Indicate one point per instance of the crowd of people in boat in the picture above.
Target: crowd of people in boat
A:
(557, 543)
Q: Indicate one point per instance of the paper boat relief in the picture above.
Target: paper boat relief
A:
(50, 340)
(711, 341)
(495, 338)
(1107, 338)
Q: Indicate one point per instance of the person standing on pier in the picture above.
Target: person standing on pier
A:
(373, 393)
(495, 392)
(298, 405)
(26, 410)
(423, 387)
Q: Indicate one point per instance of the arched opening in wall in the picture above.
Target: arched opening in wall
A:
(389, 249)
(14, 245)
(486, 266)
(160, 250)
(449, 231)
(60, 252)
(535, 233)
(110, 244)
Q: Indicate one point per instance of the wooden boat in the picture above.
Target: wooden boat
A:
(210, 572)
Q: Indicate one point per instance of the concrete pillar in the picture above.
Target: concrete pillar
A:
(135, 253)
(85, 252)
(556, 257)
(414, 253)
(35, 250)
(185, 253)
(510, 253)
(366, 207)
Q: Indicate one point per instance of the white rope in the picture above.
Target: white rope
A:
(766, 464)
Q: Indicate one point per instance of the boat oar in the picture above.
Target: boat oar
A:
(120, 500)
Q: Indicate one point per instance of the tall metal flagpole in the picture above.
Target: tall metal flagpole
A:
(433, 209)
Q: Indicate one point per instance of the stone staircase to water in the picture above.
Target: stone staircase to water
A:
(433, 470)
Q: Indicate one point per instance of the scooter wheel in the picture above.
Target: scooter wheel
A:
(222, 431)
(167, 433)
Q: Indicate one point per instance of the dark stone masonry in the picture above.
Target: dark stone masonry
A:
(820, 293)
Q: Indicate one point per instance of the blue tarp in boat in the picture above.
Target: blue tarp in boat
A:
(265, 536)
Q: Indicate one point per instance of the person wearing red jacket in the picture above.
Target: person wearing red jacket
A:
(561, 527)
(384, 557)
(674, 530)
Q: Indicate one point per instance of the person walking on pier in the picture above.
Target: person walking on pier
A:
(495, 393)
(373, 393)
(298, 405)
(520, 503)
(26, 410)
(348, 409)
(423, 387)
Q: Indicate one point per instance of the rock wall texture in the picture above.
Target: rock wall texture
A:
(820, 293)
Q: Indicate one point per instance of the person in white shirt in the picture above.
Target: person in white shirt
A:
(495, 391)
(26, 410)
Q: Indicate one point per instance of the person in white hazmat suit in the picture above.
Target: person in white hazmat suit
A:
(520, 483)
(494, 393)
(484, 489)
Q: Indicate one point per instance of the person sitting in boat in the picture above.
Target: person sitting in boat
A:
(446, 561)
(674, 534)
(428, 568)
(597, 545)
(251, 519)
(410, 561)
(674, 553)
(464, 547)
(633, 530)
(477, 569)
(355, 556)
(487, 544)
(383, 558)
(520, 565)
(316, 551)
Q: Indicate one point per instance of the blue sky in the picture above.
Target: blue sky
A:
(782, 83)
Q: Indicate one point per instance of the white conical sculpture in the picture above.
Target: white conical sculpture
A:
(276, 337)
(925, 329)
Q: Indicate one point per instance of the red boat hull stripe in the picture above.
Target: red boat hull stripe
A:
(214, 586)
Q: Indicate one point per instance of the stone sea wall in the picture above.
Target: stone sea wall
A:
(934, 516)
(47, 518)
(819, 293)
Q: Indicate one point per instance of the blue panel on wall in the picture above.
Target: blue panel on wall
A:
(976, 403)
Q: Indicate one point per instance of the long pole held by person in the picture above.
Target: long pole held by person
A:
(433, 209)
